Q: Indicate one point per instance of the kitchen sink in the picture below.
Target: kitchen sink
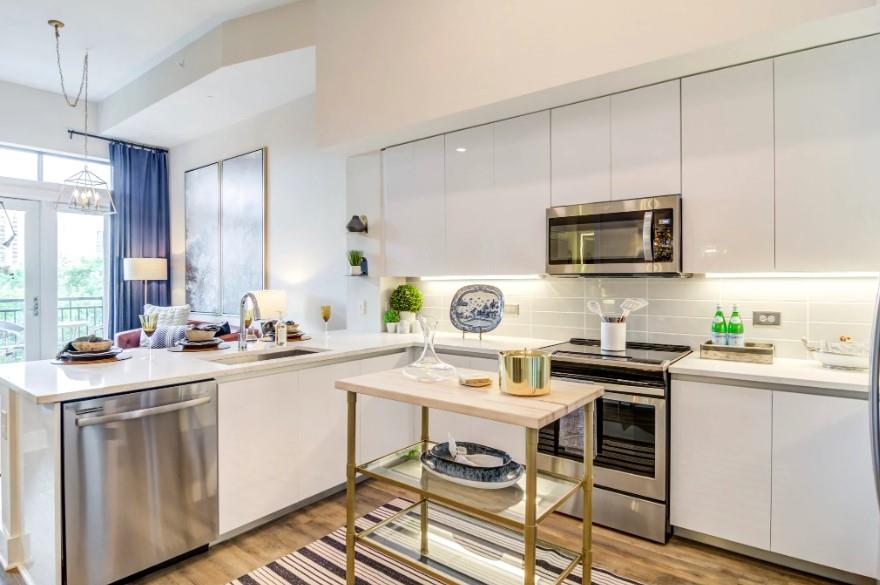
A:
(248, 357)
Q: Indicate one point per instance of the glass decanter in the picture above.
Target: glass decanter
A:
(429, 367)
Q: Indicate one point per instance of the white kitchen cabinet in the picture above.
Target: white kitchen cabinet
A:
(827, 171)
(720, 461)
(727, 169)
(510, 438)
(824, 500)
(414, 210)
(646, 141)
(259, 461)
(321, 420)
(497, 192)
(581, 152)
(384, 425)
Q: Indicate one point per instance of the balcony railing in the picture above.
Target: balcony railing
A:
(76, 316)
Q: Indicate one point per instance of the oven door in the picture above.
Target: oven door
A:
(618, 237)
(629, 440)
(630, 446)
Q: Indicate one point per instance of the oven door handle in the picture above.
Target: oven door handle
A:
(648, 236)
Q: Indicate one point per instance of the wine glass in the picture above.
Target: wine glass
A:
(248, 321)
(148, 324)
(326, 311)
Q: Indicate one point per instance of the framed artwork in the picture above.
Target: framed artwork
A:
(225, 232)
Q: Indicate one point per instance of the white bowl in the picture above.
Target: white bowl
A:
(841, 361)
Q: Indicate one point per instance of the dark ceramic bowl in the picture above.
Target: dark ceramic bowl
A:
(441, 451)
(512, 471)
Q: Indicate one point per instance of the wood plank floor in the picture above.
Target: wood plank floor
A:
(678, 562)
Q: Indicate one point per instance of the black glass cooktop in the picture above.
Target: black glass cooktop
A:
(636, 353)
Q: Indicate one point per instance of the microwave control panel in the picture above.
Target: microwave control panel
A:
(664, 241)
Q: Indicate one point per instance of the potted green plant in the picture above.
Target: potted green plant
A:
(408, 300)
(355, 259)
(391, 318)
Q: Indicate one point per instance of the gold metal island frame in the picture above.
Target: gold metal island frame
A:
(399, 469)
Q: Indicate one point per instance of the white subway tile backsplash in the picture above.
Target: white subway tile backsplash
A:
(680, 310)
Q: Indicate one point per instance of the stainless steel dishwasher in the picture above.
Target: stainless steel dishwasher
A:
(140, 480)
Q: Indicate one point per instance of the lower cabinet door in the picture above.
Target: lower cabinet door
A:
(259, 469)
(384, 425)
(720, 461)
(322, 422)
(824, 500)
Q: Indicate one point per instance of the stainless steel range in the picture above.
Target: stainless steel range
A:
(631, 446)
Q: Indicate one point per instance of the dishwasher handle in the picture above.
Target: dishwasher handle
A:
(141, 412)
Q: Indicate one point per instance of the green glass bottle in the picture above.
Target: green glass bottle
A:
(719, 328)
(736, 333)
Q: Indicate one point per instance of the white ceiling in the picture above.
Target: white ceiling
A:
(222, 98)
(125, 38)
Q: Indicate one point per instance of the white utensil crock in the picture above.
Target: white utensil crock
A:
(613, 336)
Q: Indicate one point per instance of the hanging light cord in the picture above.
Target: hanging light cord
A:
(82, 92)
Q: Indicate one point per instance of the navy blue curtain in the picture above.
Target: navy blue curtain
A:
(139, 229)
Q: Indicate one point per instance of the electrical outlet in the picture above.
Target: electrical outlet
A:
(511, 309)
(767, 318)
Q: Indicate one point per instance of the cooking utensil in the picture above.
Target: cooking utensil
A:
(630, 305)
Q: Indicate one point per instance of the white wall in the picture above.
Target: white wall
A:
(680, 309)
(391, 65)
(40, 119)
(306, 208)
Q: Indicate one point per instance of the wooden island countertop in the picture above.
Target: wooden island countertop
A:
(489, 402)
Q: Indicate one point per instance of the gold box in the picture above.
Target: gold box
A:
(524, 372)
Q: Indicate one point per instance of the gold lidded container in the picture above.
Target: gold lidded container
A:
(524, 372)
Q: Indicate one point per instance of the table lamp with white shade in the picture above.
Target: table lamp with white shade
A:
(145, 269)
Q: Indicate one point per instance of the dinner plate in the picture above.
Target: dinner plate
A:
(91, 355)
(206, 343)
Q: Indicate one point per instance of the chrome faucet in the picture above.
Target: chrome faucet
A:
(242, 330)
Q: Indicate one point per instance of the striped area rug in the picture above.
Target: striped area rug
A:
(323, 561)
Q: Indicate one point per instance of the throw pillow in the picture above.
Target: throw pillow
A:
(176, 315)
(165, 336)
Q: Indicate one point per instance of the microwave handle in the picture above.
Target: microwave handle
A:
(648, 236)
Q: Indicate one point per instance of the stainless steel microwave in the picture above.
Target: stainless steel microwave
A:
(631, 237)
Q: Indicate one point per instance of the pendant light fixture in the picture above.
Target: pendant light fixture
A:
(84, 192)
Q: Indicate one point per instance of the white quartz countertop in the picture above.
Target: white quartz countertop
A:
(783, 371)
(47, 383)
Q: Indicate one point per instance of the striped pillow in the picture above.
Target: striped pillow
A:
(165, 336)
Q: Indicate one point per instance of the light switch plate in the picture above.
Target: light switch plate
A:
(767, 318)
(511, 309)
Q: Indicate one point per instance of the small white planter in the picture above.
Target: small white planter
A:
(354, 271)
(404, 326)
(407, 316)
(391, 327)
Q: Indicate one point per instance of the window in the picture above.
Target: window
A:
(80, 275)
(19, 164)
(34, 165)
(57, 169)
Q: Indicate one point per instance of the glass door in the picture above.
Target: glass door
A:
(19, 280)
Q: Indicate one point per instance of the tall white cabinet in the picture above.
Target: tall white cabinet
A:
(827, 162)
(727, 169)
(646, 141)
(497, 192)
(581, 152)
(414, 208)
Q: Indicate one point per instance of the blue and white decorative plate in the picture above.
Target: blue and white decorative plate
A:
(477, 308)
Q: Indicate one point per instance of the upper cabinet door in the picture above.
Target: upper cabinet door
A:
(646, 141)
(827, 164)
(581, 149)
(414, 208)
(497, 193)
(727, 169)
